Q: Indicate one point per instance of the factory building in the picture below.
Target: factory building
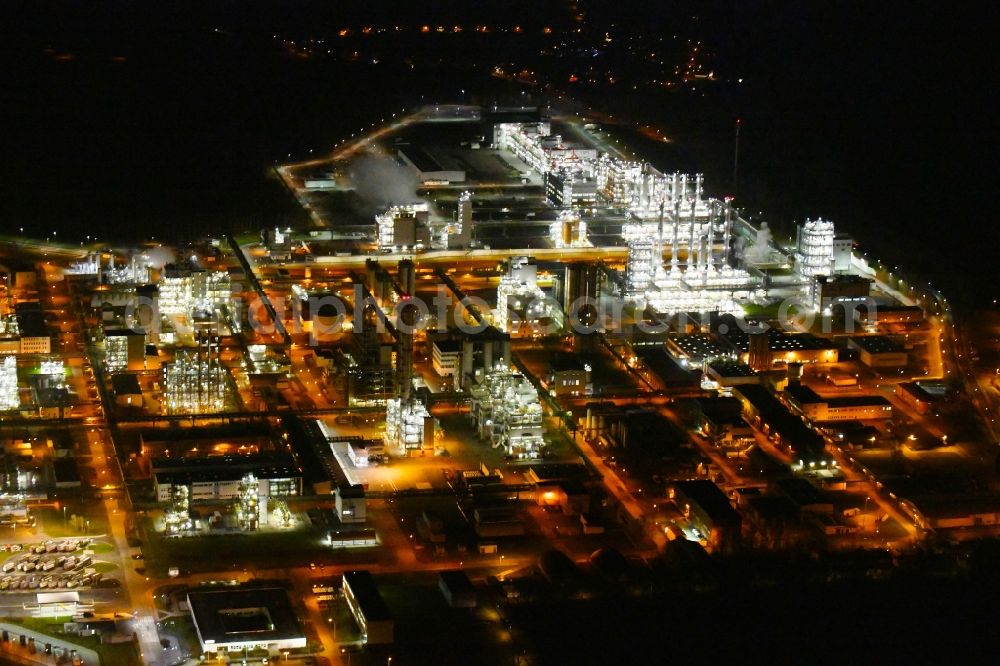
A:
(831, 293)
(877, 351)
(369, 366)
(841, 408)
(218, 478)
(579, 291)
(446, 357)
(125, 386)
(617, 180)
(427, 168)
(814, 254)
(921, 396)
(544, 152)
(523, 309)
(843, 251)
(763, 409)
(319, 313)
(661, 208)
(184, 288)
(671, 209)
(459, 235)
(781, 347)
(495, 521)
(886, 316)
(368, 607)
(409, 427)
(457, 589)
(568, 375)
(350, 503)
(729, 372)
(712, 519)
(403, 227)
(508, 414)
(196, 382)
(569, 187)
(240, 619)
(469, 356)
(696, 348)
(804, 495)
(758, 353)
(124, 349)
(26, 331)
(10, 398)
(721, 419)
(569, 230)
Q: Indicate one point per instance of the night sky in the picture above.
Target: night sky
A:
(123, 118)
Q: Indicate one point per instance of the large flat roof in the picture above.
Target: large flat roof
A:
(803, 395)
(927, 391)
(30, 321)
(877, 344)
(240, 615)
(421, 159)
(370, 602)
(699, 345)
(858, 401)
(710, 498)
(224, 468)
(125, 383)
(729, 368)
(801, 491)
(806, 443)
(778, 340)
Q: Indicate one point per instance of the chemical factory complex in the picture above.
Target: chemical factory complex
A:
(501, 359)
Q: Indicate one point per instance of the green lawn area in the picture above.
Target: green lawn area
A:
(101, 547)
(111, 654)
(768, 311)
(105, 567)
(53, 523)
(182, 628)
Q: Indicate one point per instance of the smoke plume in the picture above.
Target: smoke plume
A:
(381, 181)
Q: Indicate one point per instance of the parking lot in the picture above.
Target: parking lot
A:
(54, 564)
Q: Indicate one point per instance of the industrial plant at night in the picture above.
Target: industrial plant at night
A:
(509, 352)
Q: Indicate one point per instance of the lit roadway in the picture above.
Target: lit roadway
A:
(618, 488)
(303, 577)
(946, 339)
(109, 476)
(143, 606)
(348, 148)
(345, 150)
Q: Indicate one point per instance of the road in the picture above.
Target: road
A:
(138, 586)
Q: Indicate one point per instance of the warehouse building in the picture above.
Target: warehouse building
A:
(715, 522)
(878, 351)
(368, 607)
(234, 620)
(217, 478)
(842, 408)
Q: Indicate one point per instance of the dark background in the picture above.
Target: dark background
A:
(124, 120)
